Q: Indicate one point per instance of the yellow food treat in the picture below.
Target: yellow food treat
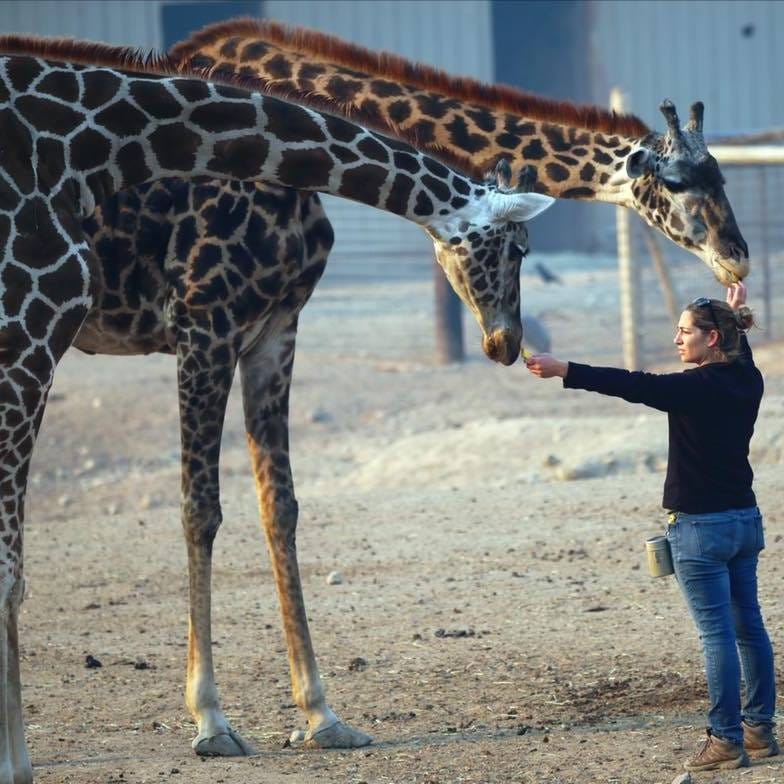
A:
(525, 353)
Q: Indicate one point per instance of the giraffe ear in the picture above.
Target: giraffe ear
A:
(523, 207)
(639, 163)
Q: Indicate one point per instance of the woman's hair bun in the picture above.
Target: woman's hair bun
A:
(744, 317)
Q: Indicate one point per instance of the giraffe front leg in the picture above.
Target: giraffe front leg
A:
(266, 378)
(204, 384)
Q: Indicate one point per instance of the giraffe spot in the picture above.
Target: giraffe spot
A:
(567, 159)
(291, 123)
(482, 118)
(577, 193)
(207, 260)
(533, 151)
(21, 71)
(391, 143)
(399, 111)
(458, 202)
(192, 90)
(343, 154)
(51, 163)
(219, 117)
(17, 284)
(437, 187)
(185, 237)
(201, 61)
(461, 185)
(384, 88)
(407, 162)
(132, 164)
(254, 50)
(310, 71)
(5, 229)
(555, 138)
(601, 157)
(343, 90)
(38, 318)
(175, 146)
(225, 218)
(372, 149)
(229, 47)
(436, 106)
(9, 200)
(399, 194)
(61, 84)
(154, 99)
(507, 140)
(305, 168)
(370, 112)
(622, 152)
(423, 132)
(89, 149)
(435, 167)
(462, 138)
(278, 67)
(122, 118)
(423, 205)
(556, 172)
(38, 242)
(18, 165)
(48, 116)
(587, 172)
(675, 222)
(364, 183)
(580, 152)
(63, 283)
(341, 130)
(241, 158)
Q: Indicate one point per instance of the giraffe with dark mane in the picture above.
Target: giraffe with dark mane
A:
(579, 151)
(80, 122)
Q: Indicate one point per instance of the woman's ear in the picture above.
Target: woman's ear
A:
(714, 338)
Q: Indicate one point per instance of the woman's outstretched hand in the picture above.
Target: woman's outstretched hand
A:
(546, 366)
(736, 294)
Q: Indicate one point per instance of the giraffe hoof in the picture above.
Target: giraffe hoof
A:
(225, 744)
(337, 736)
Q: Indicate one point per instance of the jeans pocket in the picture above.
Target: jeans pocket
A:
(716, 539)
(760, 533)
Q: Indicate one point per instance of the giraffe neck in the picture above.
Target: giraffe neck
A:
(575, 159)
(126, 129)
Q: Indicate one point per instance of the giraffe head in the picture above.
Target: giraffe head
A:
(676, 186)
(480, 248)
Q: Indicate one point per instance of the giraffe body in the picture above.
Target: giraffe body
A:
(77, 124)
(580, 152)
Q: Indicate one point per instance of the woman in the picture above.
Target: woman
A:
(715, 528)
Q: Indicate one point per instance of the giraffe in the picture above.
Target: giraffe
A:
(156, 236)
(80, 122)
(580, 152)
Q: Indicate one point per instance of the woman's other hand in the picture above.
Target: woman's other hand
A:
(546, 366)
(736, 294)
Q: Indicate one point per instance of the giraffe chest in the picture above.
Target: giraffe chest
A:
(226, 259)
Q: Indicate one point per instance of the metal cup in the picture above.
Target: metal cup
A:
(657, 551)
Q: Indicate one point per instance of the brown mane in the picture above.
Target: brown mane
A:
(126, 58)
(398, 69)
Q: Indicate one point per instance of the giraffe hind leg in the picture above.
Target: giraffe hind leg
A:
(266, 378)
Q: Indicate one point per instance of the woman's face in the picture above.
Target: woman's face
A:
(694, 344)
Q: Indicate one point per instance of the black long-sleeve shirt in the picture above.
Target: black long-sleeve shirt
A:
(711, 410)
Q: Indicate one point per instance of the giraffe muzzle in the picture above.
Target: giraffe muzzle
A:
(502, 345)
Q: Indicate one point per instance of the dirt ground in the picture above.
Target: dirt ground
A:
(489, 528)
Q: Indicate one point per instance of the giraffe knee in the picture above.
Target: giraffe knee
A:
(12, 587)
(281, 517)
(201, 522)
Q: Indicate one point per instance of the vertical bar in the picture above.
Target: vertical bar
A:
(449, 320)
(628, 274)
(765, 255)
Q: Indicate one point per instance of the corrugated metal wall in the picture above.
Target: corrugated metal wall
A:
(455, 36)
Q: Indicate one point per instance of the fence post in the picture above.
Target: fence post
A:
(765, 254)
(663, 272)
(449, 320)
(628, 273)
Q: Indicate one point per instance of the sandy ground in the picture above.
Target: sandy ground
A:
(489, 527)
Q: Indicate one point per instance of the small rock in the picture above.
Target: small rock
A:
(334, 578)
(63, 501)
(91, 662)
(357, 664)
(552, 460)
(297, 736)
(113, 509)
(97, 402)
(318, 415)
(142, 664)
(683, 778)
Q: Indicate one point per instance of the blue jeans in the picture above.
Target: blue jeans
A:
(715, 559)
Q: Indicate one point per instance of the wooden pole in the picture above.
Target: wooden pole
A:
(764, 250)
(663, 273)
(449, 320)
(628, 274)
